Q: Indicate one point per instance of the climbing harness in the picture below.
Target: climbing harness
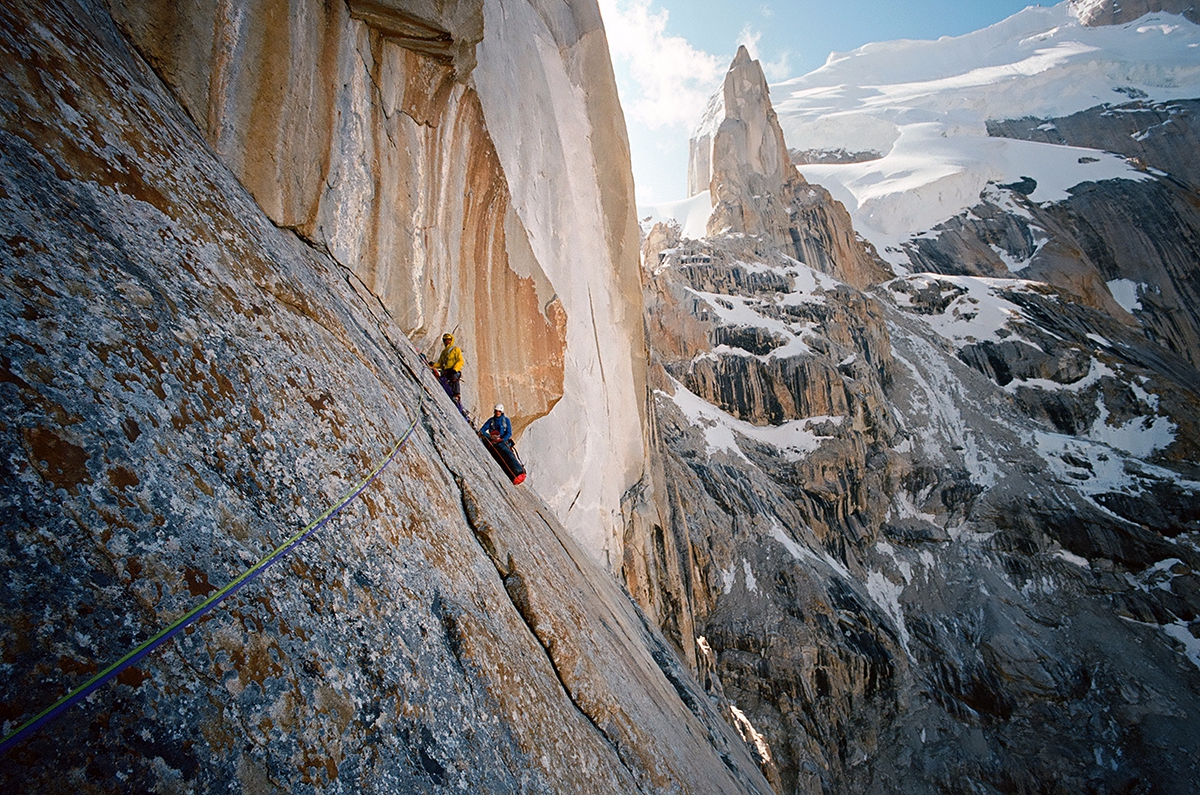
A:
(81, 692)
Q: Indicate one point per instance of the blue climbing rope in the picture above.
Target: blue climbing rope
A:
(103, 677)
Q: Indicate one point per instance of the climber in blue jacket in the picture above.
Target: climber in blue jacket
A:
(498, 428)
(497, 436)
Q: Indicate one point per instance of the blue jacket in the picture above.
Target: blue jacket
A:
(500, 424)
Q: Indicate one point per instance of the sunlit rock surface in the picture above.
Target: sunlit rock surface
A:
(1120, 12)
(940, 534)
(740, 156)
(437, 149)
(184, 385)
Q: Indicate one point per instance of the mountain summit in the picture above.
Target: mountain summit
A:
(739, 156)
(941, 526)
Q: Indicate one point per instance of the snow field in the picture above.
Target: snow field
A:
(929, 177)
(978, 314)
(1127, 293)
(922, 105)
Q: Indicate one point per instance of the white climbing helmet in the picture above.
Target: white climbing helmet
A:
(498, 407)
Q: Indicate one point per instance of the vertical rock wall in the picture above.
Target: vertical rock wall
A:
(546, 86)
(396, 135)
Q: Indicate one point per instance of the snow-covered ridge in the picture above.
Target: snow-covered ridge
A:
(924, 106)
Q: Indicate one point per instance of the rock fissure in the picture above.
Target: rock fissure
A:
(515, 586)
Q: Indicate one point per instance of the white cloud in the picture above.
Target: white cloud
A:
(671, 79)
(780, 69)
(777, 70)
(749, 38)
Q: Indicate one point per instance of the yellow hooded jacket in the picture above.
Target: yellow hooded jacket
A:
(451, 358)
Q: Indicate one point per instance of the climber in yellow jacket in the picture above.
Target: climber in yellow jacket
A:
(449, 369)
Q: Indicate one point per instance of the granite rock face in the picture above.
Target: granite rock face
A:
(740, 156)
(750, 162)
(936, 534)
(397, 136)
(368, 147)
(184, 384)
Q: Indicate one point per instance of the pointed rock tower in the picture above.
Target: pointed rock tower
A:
(750, 166)
(740, 155)
(757, 192)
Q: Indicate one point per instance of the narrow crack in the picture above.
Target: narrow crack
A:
(672, 670)
(515, 588)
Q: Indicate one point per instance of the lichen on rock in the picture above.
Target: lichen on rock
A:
(185, 383)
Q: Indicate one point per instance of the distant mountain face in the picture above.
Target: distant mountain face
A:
(939, 531)
(1038, 148)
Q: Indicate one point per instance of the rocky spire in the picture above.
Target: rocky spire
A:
(757, 191)
(750, 163)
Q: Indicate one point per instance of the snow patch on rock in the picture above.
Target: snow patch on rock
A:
(1127, 293)
(801, 552)
(793, 439)
(886, 594)
(749, 734)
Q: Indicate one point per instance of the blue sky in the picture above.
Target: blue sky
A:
(670, 56)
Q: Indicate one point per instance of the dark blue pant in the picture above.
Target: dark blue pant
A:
(452, 383)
